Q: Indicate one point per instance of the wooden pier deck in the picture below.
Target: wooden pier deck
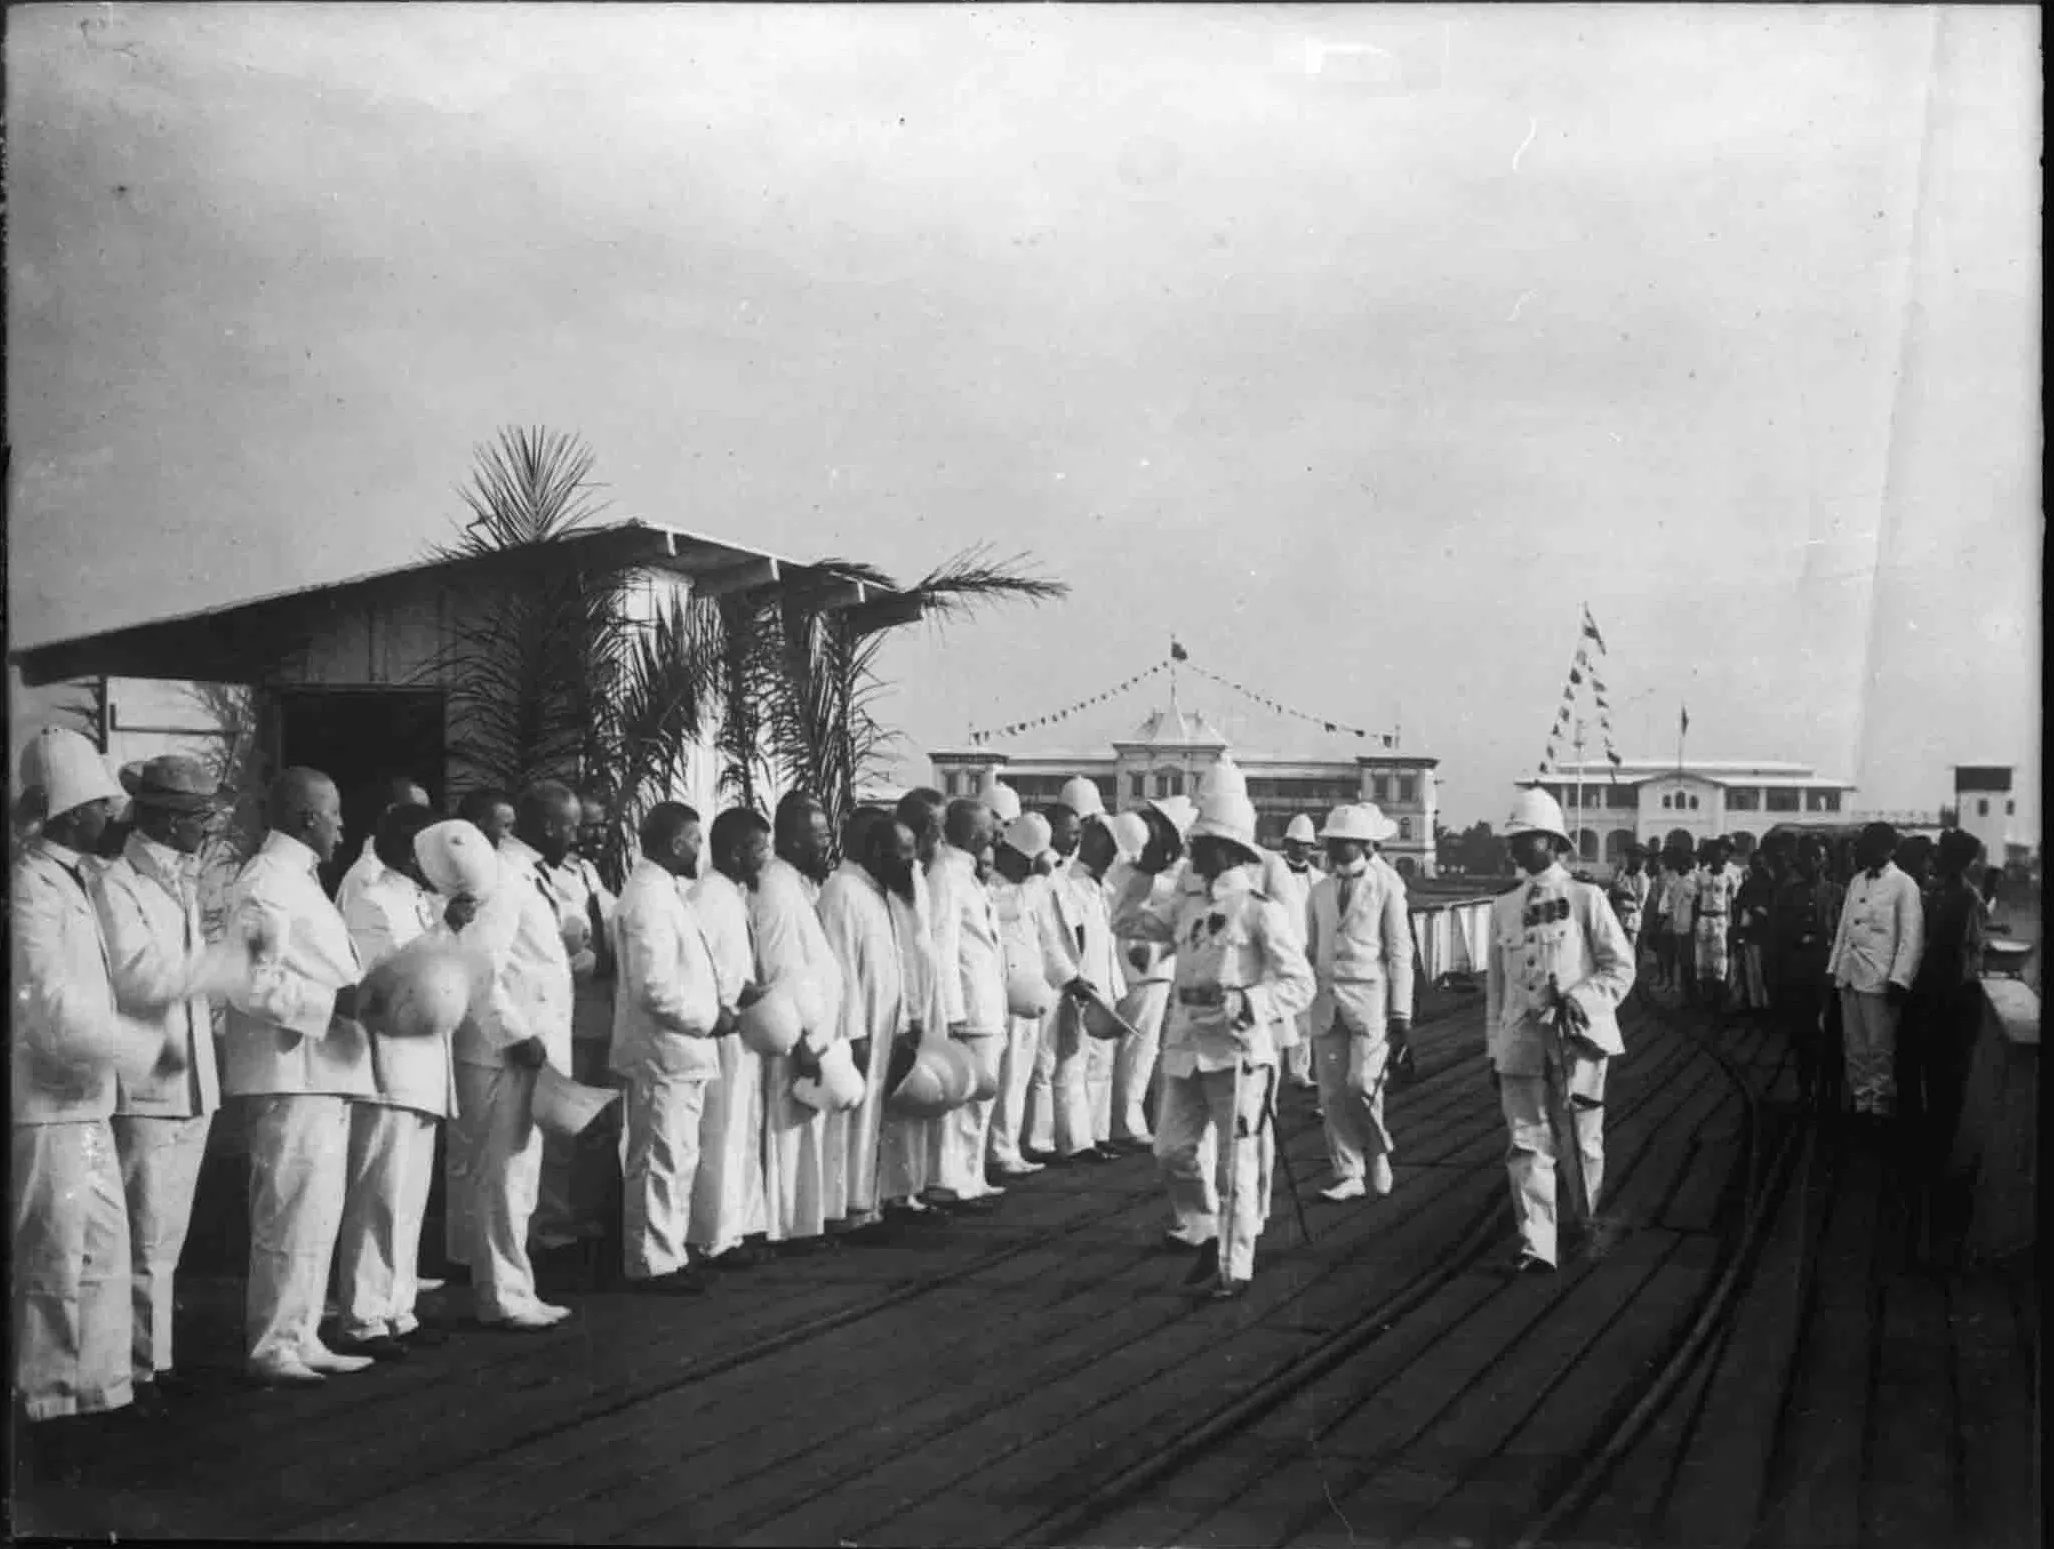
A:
(1755, 1359)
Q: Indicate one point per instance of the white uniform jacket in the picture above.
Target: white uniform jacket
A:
(67, 1038)
(1882, 932)
(967, 944)
(283, 1038)
(1234, 945)
(1078, 936)
(668, 1000)
(1022, 916)
(1158, 962)
(1363, 959)
(517, 929)
(792, 950)
(150, 912)
(1552, 927)
(388, 911)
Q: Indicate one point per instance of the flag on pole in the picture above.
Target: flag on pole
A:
(1590, 628)
(1683, 723)
(1177, 652)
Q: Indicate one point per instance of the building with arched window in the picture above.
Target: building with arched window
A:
(1168, 755)
(1658, 803)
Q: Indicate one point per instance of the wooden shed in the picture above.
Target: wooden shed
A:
(348, 678)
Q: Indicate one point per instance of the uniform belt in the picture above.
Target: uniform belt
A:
(1201, 995)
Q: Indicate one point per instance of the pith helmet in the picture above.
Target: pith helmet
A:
(1082, 797)
(1536, 812)
(1300, 831)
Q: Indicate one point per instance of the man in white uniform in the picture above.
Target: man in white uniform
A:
(867, 911)
(1150, 968)
(73, 1318)
(906, 1145)
(1098, 850)
(667, 1018)
(566, 1209)
(400, 791)
(728, 1203)
(970, 958)
(1875, 959)
(297, 1054)
(1240, 967)
(792, 953)
(1294, 889)
(1360, 944)
(1017, 891)
(526, 1024)
(150, 911)
(1558, 969)
(392, 1132)
(1077, 940)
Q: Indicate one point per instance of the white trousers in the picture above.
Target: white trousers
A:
(1058, 1101)
(727, 1194)
(299, 1171)
(905, 1147)
(463, 1140)
(70, 1270)
(794, 1157)
(1224, 1199)
(160, 1172)
(1101, 1055)
(378, 1255)
(1300, 1064)
(1134, 1060)
(1530, 1163)
(1016, 1076)
(1869, 1026)
(564, 1159)
(663, 1135)
(504, 1176)
(956, 1161)
(1350, 1067)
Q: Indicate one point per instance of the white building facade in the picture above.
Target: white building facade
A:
(1168, 755)
(1656, 803)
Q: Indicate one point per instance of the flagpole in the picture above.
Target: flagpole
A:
(1578, 745)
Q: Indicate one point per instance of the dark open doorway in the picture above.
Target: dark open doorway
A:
(361, 738)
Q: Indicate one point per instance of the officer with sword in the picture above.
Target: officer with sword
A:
(1559, 965)
(1240, 967)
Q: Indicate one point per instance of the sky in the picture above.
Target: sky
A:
(1358, 349)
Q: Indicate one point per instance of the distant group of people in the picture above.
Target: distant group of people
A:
(1865, 951)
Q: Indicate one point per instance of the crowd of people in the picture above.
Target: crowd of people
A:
(1864, 950)
(808, 1052)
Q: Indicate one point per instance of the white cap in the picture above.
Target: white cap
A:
(68, 770)
(1363, 822)
(1179, 810)
(1536, 812)
(1301, 830)
(1130, 833)
(456, 857)
(1003, 800)
(1223, 779)
(1082, 797)
(1229, 817)
(1030, 834)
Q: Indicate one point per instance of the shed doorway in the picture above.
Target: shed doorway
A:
(361, 738)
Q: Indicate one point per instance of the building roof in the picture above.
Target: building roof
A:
(1764, 772)
(204, 645)
(1174, 727)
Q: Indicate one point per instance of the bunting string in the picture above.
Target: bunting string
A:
(979, 738)
(1384, 739)
(1583, 670)
(1179, 655)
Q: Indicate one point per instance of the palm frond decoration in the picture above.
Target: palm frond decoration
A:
(233, 763)
(669, 689)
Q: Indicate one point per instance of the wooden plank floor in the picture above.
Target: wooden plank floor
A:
(969, 1384)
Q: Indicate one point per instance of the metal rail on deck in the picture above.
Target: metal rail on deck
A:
(1229, 1420)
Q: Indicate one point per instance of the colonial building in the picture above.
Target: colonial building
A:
(1169, 753)
(1654, 802)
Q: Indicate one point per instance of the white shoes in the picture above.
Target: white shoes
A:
(283, 1372)
(1342, 1192)
(320, 1359)
(1380, 1175)
(540, 1316)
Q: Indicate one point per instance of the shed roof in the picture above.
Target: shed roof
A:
(211, 642)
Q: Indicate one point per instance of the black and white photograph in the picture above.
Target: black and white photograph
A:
(1024, 776)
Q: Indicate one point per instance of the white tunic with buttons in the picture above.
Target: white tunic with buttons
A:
(1552, 929)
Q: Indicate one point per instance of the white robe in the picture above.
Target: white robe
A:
(866, 930)
(727, 1194)
(792, 952)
